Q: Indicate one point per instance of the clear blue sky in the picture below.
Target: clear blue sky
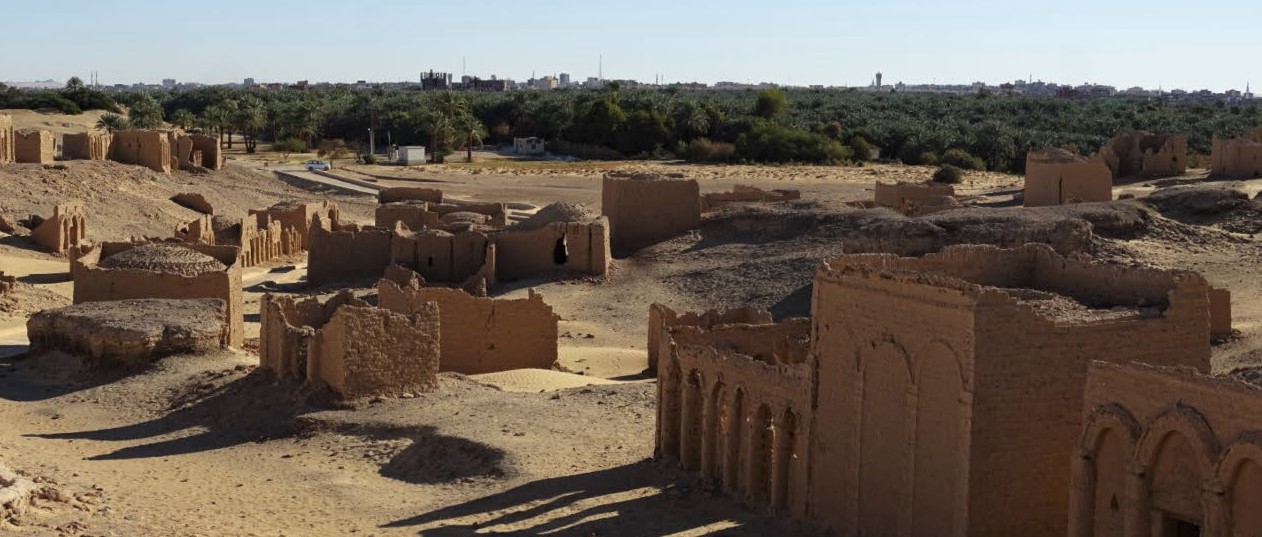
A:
(1173, 44)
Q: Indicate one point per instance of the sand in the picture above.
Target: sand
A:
(206, 445)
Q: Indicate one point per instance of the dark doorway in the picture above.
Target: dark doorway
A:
(1174, 527)
(560, 253)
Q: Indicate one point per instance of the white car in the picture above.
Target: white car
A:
(318, 165)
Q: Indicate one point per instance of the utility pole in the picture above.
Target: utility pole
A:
(372, 149)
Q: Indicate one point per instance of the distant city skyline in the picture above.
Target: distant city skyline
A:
(794, 42)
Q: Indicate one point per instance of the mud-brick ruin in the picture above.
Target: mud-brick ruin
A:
(912, 198)
(931, 396)
(1144, 154)
(264, 235)
(162, 151)
(6, 139)
(67, 228)
(1237, 157)
(1167, 451)
(355, 349)
(34, 147)
(131, 333)
(122, 270)
(1055, 176)
(478, 334)
(713, 201)
(85, 146)
(645, 209)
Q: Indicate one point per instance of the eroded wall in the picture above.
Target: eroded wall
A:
(6, 139)
(1057, 176)
(947, 382)
(93, 283)
(713, 201)
(34, 147)
(67, 227)
(1239, 157)
(407, 193)
(85, 146)
(582, 247)
(902, 196)
(1160, 445)
(481, 334)
(198, 151)
(148, 148)
(734, 407)
(1146, 154)
(649, 209)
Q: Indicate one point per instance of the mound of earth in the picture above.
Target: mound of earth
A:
(1225, 207)
(164, 257)
(556, 212)
(130, 333)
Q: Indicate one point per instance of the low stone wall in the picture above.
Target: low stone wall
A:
(35, 147)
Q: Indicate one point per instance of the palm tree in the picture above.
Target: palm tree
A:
(441, 130)
(471, 130)
(112, 123)
(250, 119)
(183, 119)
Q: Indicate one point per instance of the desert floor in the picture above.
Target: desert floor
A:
(209, 446)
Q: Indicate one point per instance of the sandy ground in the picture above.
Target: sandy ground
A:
(208, 446)
(54, 123)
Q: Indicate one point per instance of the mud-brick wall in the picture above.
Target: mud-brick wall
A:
(85, 146)
(366, 351)
(151, 149)
(572, 246)
(480, 334)
(6, 139)
(405, 193)
(1161, 444)
(35, 147)
(93, 283)
(1057, 183)
(343, 255)
(642, 212)
(898, 195)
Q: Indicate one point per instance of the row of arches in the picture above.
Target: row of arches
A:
(1170, 476)
(749, 442)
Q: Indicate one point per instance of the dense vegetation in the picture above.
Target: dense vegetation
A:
(969, 132)
(72, 99)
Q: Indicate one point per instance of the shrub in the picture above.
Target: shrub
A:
(963, 160)
(860, 149)
(368, 158)
(948, 174)
(333, 149)
(771, 103)
(927, 158)
(290, 145)
(705, 150)
(767, 142)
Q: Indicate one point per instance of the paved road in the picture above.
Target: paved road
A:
(303, 178)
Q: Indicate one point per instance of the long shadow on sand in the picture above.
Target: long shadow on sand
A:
(253, 408)
(647, 502)
(20, 381)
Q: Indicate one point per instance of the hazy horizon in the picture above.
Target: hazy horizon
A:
(796, 42)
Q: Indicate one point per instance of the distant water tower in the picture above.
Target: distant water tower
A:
(878, 79)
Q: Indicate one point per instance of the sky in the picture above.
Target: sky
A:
(1165, 44)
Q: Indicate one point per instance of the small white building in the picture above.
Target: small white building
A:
(528, 146)
(411, 154)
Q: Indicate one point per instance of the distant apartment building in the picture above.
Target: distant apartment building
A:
(168, 82)
(436, 81)
(249, 83)
(565, 80)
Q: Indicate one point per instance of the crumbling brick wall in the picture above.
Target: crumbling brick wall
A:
(1057, 176)
(643, 210)
(198, 151)
(949, 381)
(1168, 448)
(6, 139)
(713, 201)
(7, 283)
(193, 201)
(581, 247)
(734, 403)
(67, 227)
(34, 147)
(93, 283)
(297, 217)
(346, 253)
(902, 196)
(663, 320)
(1146, 154)
(417, 215)
(85, 146)
(459, 258)
(1239, 157)
(148, 148)
(357, 350)
(481, 334)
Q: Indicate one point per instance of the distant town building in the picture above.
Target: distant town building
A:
(435, 81)
(565, 80)
(249, 82)
(168, 82)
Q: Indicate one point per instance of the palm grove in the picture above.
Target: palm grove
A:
(808, 126)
